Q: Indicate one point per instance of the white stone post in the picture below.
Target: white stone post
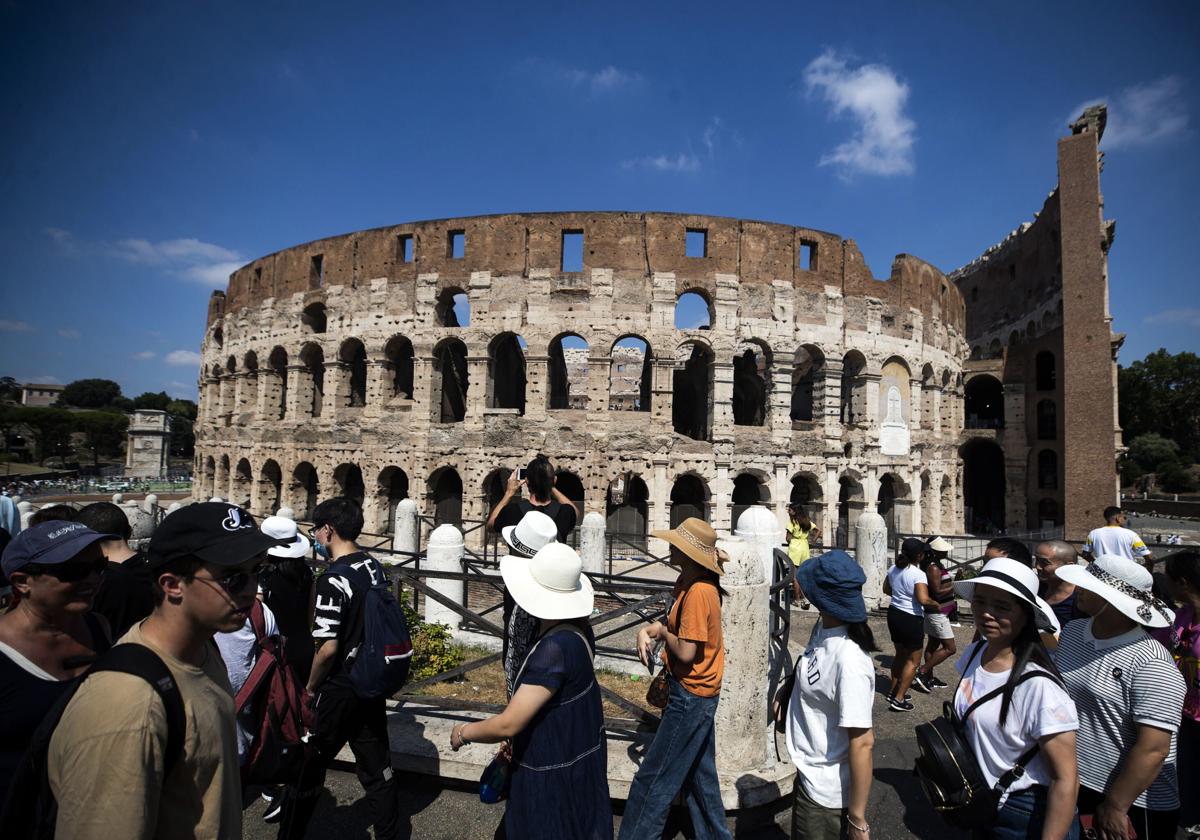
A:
(871, 552)
(762, 531)
(742, 717)
(25, 511)
(286, 512)
(444, 554)
(150, 503)
(406, 531)
(591, 542)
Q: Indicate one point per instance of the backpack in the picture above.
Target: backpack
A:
(31, 811)
(381, 666)
(949, 771)
(283, 722)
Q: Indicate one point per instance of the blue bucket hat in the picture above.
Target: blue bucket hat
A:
(834, 582)
(48, 544)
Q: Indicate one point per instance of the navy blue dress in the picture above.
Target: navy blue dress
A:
(559, 786)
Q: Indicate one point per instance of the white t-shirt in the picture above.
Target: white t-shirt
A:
(240, 652)
(835, 687)
(1113, 539)
(1040, 707)
(904, 584)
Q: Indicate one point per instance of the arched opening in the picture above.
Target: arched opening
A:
(313, 359)
(398, 356)
(446, 497)
(854, 389)
(1047, 469)
(494, 485)
(929, 523)
(894, 505)
(983, 486)
(751, 386)
(277, 394)
(1047, 420)
(928, 385)
(1045, 372)
(391, 489)
(627, 509)
(693, 311)
(808, 383)
(691, 409)
(994, 349)
(689, 497)
(450, 381)
(984, 403)
(748, 490)
(629, 375)
(243, 484)
(506, 372)
(948, 524)
(571, 486)
(221, 483)
(806, 490)
(568, 372)
(247, 390)
(453, 308)
(304, 490)
(270, 487)
(850, 505)
(349, 481)
(314, 319)
(1048, 515)
(208, 483)
(1014, 338)
(218, 337)
(353, 357)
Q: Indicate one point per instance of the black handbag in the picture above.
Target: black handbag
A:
(949, 771)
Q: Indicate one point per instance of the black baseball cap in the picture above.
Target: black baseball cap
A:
(215, 532)
(912, 546)
(49, 544)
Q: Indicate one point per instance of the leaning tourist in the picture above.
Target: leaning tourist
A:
(126, 593)
(1048, 557)
(525, 539)
(682, 756)
(941, 644)
(555, 719)
(1029, 720)
(829, 733)
(543, 497)
(909, 588)
(51, 636)
(1130, 699)
(106, 758)
(286, 586)
(1114, 538)
(1183, 571)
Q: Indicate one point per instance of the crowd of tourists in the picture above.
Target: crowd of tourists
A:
(151, 694)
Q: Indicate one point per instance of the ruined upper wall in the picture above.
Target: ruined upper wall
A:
(631, 245)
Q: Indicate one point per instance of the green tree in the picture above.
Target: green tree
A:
(51, 428)
(103, 433)
(158, 402)
(1160, 394)
(1175, 478)
(90, 393)
(10, 389)
(1151, 451)
(183, 418)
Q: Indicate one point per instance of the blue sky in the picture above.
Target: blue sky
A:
(152, 147)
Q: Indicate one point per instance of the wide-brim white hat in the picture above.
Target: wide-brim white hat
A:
(1124, 584)
(282, 528)
(534, 532)
(1016, 579)
(550, 584)
(941, 545)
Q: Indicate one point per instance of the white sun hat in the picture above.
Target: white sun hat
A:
(1016, 579)
(282, 528)
(535, 531)
(941, 545)
(1124, 584)
(550, 584)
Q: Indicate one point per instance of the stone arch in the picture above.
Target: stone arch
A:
(1047, 420)
(348, 479)
(983, 486)
(270, 487)
(1049, 515)
(751, 383)
(894, 504)
(1045, 371)
(250, 362)
(750, 488)
(808, 383)
(627, 509)
(929, 418)
(391, 488)
(1047, 469)
(453, 307)
(314, 319)
(208, 482)
(692, 390)
(694, 310)
(450, 381)
(398, 359)
(994, 349)
(494, 485)
(277, 392)
(984, 402)
(567, 372)
(929, 523)
(304, 491)
(629, 374)
(221, 482)
(506, 372)
(445, 496)
(313, 379)
(242, 486)
(353, 356)
(946, 492)
(1014, 338)
(854, 388)
(571, 486)
(806, 491)
(218, 337)
(851, 502)
(689, 497)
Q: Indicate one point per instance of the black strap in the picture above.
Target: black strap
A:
(1021, 588)
(141, 661)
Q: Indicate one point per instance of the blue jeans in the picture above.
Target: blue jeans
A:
(683, 756)
(1022, 817)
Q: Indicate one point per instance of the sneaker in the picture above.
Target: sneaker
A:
(900, 705)
(919, 684)
(956, 624)
(274, 810)
(934, 682)
(270, 794)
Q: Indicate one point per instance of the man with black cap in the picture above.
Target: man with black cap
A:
(107, 755)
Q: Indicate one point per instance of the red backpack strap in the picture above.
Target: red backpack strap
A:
(258, 620)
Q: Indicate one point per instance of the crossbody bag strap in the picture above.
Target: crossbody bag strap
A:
(570, 627)
(678, 619)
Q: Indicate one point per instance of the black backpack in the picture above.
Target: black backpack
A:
(30, 810)
(380, 668)
(949, 771)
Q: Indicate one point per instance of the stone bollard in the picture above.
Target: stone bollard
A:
(761, 529)
(742, 717)
(871, 552)
(286, 512)
(150, 503)
(118, 498)
(24, 510)
(216, 499)
(444, 554)
(174, 507)
(405, 534)
(591, 543)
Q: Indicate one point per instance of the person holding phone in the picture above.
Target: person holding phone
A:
(544, 497)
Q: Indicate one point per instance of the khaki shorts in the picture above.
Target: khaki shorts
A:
(937, 626)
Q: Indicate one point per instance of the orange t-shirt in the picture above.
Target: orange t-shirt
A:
(700, 623)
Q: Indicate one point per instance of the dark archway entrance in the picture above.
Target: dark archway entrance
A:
(689, 497)
(983, 487)
(984, 403)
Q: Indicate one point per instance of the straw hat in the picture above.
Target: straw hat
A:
(1124, 584)
(550, 584)
(1016, 579)
(696, 538)
(282, 528)
(534, 532)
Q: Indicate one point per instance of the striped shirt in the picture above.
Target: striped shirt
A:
(1117, 684)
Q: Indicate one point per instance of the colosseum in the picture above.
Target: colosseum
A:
(673, 365)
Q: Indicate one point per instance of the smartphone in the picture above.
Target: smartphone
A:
(520, 473)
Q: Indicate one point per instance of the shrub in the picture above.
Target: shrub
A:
(1175, 478)
(434, 651)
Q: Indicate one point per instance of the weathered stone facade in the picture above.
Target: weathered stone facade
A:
(148, 442)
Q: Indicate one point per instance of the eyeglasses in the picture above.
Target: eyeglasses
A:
(237, 581)
(72, 571)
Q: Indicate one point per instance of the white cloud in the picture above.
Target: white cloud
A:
(1142, 115)
(15, 326)
(1186, 317)
(68, 332)
(874, 97)
(182, 358)
(681, 162)
(608, 79)
(171, 251)
(145, 355)
(215, 274)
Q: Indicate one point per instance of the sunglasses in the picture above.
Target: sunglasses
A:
(72, 571)
(238, 581)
